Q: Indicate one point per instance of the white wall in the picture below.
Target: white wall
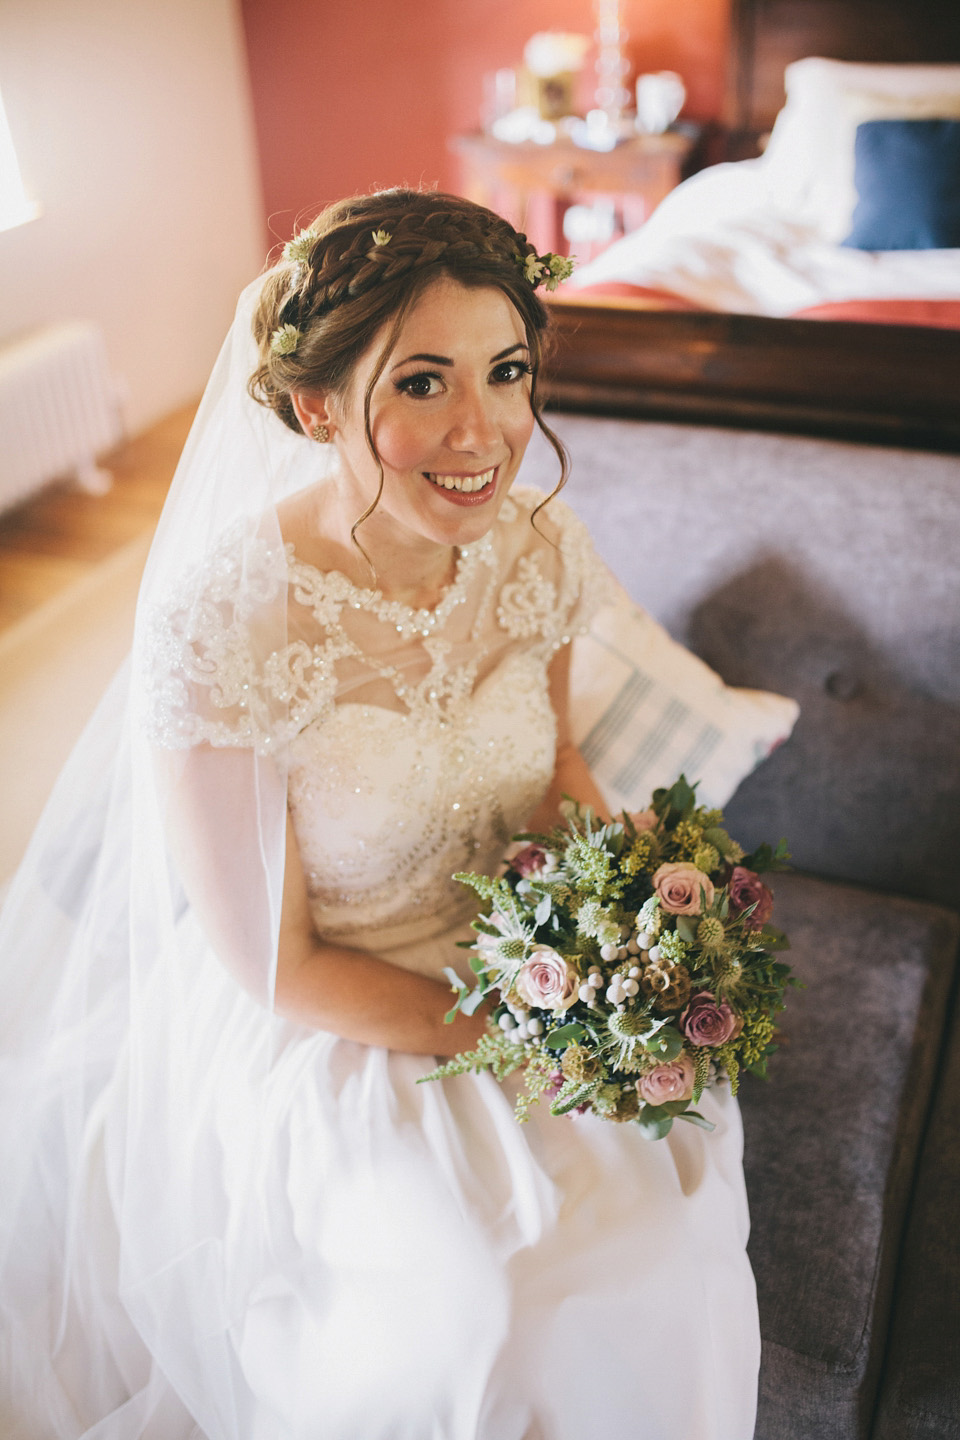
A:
(133, 125)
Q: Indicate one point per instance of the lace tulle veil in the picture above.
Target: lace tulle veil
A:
(96, 953)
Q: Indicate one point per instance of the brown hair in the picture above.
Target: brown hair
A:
(344, 288)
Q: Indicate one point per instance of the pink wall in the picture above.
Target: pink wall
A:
(352, 94)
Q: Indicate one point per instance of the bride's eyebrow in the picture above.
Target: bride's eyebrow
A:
(445, 359)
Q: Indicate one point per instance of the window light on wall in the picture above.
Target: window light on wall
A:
(15, 208)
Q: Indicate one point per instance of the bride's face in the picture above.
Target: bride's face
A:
(450, 416)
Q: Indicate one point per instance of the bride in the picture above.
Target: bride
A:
(229, 1210)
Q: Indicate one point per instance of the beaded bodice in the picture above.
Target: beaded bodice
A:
(416, 741)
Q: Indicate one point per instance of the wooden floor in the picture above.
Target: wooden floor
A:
(63, 533)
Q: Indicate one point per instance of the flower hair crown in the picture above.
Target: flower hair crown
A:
(548, 270)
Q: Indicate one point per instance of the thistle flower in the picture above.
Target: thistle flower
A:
(285, 340)
(710, 932)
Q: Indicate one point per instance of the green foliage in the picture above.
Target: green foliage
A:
(565, 1035)
(766, 858)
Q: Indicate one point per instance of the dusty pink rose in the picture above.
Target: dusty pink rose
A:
(545, 981)
(667, 1082)
(645, 819)
(531, 860)
(745, 887)
(704, 1022)
(678, 885)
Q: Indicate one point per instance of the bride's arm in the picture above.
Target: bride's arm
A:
(570, 776)
(355, 995)
(219, 845)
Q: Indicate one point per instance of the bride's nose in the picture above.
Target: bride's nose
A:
(473, 424)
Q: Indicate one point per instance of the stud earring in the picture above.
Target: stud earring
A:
(321, 434)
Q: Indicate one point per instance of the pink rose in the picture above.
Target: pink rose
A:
(746, 888)
(704, 1022)
(645, 820)
(678, 885)
(545, 981)
(531, 860)
(668, 1082)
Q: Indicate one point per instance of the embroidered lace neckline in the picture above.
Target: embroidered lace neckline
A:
(337, 588)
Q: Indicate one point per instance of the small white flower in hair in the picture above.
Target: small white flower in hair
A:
(559, 267)
(533, 268)
(298, 249)
(285, 340)
(382, 237)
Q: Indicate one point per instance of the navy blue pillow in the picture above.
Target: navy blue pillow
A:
(907, 174)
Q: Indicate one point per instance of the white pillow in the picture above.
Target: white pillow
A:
(810, 158)
(644, 710)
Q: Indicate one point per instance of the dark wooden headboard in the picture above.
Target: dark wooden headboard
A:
(766, 35)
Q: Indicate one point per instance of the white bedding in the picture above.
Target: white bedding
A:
(759, 236)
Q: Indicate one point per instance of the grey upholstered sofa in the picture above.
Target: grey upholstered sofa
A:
(830, 572)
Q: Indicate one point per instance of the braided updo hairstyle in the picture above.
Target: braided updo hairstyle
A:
(340, 287)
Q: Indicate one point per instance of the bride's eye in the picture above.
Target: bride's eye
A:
(510, 371)
(422, 386)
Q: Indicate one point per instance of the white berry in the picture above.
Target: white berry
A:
(635, 972)
(534, 1027)
(631, 988)
(595, 979)
(507, 1022)
(609, 952)
(644, 939)
(587, 993)
(654, 953)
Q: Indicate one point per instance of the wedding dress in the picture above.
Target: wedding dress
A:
(217, 1224)
(280, 1235)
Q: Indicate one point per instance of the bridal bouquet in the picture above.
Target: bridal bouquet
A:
(633, 964)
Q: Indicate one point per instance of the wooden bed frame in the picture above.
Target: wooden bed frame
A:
(894, 384)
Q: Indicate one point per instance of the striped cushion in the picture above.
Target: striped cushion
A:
(644, 710)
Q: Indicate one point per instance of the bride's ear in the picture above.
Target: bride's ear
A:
(313, 411)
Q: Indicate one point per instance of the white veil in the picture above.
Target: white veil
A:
(98, 944)
(138, 944)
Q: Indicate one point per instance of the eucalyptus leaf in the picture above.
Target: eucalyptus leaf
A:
(686, 928)
(696, 1118)
(655, 1129)
(472, 1002)
(566, 1034)
(542, 913)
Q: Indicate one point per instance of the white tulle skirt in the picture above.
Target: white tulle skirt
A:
(278, 1235)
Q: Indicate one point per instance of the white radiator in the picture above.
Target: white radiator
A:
(59, 409)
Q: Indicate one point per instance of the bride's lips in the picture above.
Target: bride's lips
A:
(464, 487)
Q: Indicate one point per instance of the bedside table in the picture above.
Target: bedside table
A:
(505, 177)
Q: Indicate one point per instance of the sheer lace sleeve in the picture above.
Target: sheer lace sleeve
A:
(557, 580)
(216, 670)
